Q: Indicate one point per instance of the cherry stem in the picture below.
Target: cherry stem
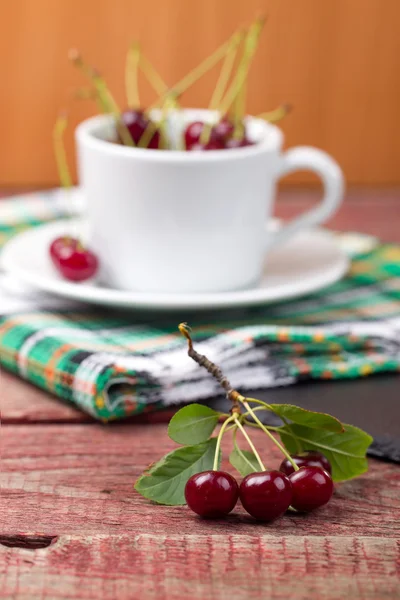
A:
(84, 93)
(59, 151)
(170, 103)
(161, 88)
(212, 368)
(276, 115)
(266, 406)
(226, 71)
(235, 398)
(206, 133)
(245, 434)
(147, 134)
(89, 94)
(131, 75)
(244, 415)
(152, 76)
(239, 113)
(198, 71)
(251, 43)
(219, 440)
(152, 127)
(106, 100)
(269, 434)
(238, 449)
(79, 246)
(222, 82)
(254, 409)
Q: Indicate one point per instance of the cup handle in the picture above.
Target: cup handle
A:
(312, 159)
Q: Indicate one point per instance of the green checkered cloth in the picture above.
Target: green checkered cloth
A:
(115, 365)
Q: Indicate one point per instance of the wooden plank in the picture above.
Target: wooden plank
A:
(337, 62)
(59, 480)
(176, 567)
(23, 402)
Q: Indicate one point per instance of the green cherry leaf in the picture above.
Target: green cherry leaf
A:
(165, 481)
(192, 424)
(301, 416)
(244, 461)
(345, 451)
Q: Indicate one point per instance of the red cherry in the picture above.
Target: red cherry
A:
(214, 145)
(312, 488)
(192, 138)
(211, 145)
(266, 495)
(59, 246)
(79, 265)
(306, 459)
(224, 129)
(193, 133)
(154, 143)
(137, 122)
(74, 262)
(211, 494)
(238, 143)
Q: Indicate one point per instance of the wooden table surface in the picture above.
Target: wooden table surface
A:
(71, 525)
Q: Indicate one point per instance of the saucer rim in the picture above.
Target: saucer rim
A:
(91, 293)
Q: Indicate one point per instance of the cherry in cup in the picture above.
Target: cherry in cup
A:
(211, 494)
(211, 145)
(193, 141)
(266, 495)
(310, 458)
(237, 143)
(220, 136)
(136, 122)
(193, 133)
(312, 487)
(224, 129)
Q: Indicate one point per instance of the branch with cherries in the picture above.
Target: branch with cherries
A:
(150, 128)
(317, 450)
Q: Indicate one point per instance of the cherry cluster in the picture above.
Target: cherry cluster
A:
(221, 136)
(264, 495)
(137, 126)
(198, 135)
(302, 483)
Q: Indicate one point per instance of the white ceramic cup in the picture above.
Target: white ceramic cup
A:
(182, 222)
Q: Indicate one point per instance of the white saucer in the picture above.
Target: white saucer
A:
(305, 264)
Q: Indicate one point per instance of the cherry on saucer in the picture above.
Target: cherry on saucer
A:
(72, 259)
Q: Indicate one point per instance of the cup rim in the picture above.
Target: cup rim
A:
(85, 134)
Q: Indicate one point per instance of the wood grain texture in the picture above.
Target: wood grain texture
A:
(336, 61)
(22, 402)
(72, 527)
(59, 480)
(172, 567)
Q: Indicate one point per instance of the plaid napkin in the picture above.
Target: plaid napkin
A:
(115, 365)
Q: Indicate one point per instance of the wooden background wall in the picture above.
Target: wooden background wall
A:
(336, 61)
